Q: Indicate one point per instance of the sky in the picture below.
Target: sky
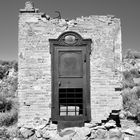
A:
(127, 10)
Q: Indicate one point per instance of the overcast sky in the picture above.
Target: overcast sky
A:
(127, 10)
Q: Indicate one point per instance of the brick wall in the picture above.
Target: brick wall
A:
(34, 77)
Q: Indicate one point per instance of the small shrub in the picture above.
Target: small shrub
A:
(131, 85)
(12, 131)
(8, 87)
(9, 113)
(9, 133)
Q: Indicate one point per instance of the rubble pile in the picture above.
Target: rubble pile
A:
(45, 130)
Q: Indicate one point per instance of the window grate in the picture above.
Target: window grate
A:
(70, 101)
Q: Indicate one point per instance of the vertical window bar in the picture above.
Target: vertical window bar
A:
(66, 102)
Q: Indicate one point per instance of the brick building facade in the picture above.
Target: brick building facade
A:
(34, 90)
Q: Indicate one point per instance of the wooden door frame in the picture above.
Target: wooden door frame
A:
(60, 43)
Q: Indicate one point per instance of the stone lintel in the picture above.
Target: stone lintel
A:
(25, 11)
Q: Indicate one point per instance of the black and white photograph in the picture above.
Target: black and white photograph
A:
(69, 70)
